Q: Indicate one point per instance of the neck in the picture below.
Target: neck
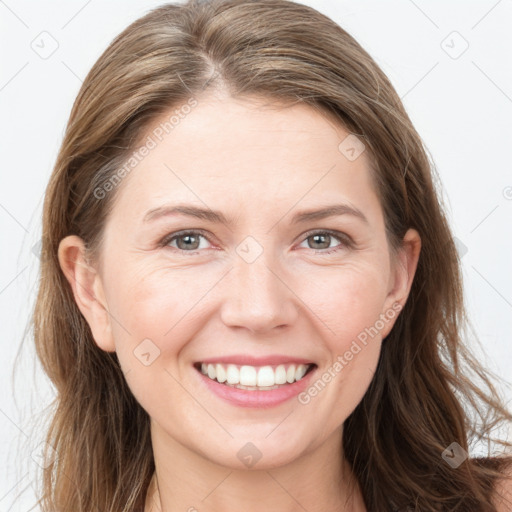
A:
(316, 481)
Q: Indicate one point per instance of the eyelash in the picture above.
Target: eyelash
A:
(345, 240)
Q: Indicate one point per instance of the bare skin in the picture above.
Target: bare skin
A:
(259, 167)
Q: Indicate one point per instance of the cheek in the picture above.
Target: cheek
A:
(154, 316)
(348, 300)
(162, 305)
(351, 320)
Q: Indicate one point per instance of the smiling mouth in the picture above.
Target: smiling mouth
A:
(255, 377)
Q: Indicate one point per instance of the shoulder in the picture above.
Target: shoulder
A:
(503, 492)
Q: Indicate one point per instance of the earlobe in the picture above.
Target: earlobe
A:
(87, 289)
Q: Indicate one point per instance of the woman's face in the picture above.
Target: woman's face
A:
(256, 279)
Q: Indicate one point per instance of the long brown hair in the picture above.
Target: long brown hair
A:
(428, 390)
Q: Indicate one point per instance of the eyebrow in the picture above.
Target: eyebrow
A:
(218, 217)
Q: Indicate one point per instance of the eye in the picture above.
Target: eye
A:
(190, 241)
(187, 241)
(324, 238)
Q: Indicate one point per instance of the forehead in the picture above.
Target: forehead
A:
(247, 150)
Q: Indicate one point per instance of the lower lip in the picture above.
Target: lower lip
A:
(257, 398)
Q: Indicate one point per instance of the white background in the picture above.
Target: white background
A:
(462, 108)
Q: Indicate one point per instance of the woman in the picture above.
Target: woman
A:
(207, 354)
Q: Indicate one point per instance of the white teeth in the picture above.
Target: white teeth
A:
(251, 377)
(300, 371)
(233, 374)
(248, 376)
(220, 373)
(266, 376)
(280, 375)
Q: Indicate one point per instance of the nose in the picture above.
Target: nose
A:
(257, 298)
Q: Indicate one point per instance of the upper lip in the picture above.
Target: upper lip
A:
(244, 359)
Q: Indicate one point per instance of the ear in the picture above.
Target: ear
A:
(402, 276)
(87, 289)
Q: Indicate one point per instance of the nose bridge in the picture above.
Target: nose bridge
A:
(256, 297)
